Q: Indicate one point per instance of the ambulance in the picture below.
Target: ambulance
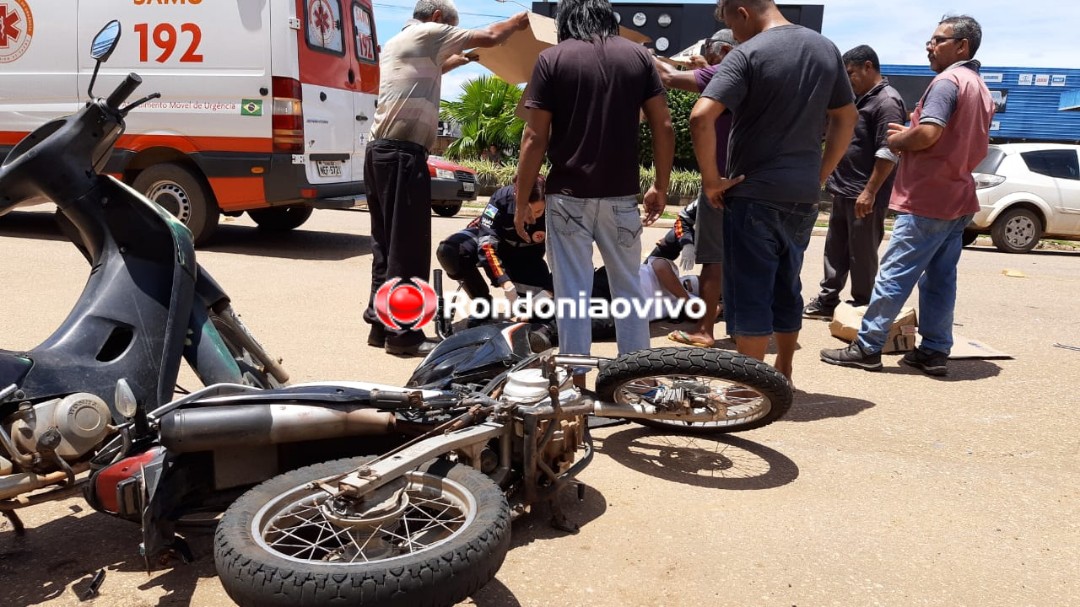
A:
(265, 107)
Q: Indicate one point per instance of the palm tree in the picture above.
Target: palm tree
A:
(485, 112)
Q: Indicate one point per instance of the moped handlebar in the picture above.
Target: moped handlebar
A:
(122, 92)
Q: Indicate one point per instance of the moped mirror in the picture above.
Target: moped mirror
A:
(105, 42)
(102, 48)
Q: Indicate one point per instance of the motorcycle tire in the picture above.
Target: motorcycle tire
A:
(754, 393)
(254, 362)
(272, 546)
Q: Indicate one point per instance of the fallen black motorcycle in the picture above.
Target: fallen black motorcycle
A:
(486, 426)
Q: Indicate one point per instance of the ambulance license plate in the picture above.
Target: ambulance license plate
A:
(328, 169)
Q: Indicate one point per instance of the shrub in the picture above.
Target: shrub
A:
(680, 103)
(682, 189)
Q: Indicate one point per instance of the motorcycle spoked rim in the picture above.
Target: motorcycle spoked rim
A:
(761, 410)
(435, 486)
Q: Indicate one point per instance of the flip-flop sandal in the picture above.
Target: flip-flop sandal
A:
(682, 337)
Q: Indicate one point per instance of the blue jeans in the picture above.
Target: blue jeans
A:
(614, 224)
(926, 251)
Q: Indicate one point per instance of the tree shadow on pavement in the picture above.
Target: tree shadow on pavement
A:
(808, 407)
(292, 244)
(38, 225)
(55, 561)
(965, 369)
(494, 594)
(717, 462)
(536, 524)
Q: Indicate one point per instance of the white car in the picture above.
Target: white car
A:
(1027, 191)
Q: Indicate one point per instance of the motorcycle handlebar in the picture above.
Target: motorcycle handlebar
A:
(122, 92)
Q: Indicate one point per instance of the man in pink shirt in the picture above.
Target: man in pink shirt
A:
(934, 196)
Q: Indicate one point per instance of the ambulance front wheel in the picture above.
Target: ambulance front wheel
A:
(184, 194)
(280, 219)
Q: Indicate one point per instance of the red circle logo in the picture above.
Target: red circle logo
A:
(16, 29)
(408, 305)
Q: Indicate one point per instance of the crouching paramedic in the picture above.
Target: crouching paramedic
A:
(491, 242)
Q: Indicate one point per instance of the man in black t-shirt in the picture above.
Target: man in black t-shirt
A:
(781, 83)
(583, 103)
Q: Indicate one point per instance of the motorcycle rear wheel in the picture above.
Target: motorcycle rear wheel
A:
(753, 393)
(275, 546)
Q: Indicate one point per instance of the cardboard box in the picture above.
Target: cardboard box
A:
(847, 319)
(514, 59)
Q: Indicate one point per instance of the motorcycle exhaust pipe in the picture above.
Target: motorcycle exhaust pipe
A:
(210, 428)
(15, 485)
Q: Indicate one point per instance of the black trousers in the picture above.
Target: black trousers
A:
(399, 200)
(851, 247)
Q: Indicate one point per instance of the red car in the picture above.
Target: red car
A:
(451, 186)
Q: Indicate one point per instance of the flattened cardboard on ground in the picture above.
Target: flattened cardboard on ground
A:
(965, 347)
(513, 61)
(847, 319)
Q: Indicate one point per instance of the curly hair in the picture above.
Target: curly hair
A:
(585, 20)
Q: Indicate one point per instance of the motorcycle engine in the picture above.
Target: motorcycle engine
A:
(80, 421)
(531, 386)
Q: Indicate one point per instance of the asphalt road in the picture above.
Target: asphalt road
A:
(877, 489)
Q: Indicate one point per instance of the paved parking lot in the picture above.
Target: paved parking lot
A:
(877, 489)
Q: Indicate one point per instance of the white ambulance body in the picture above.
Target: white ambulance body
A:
(265, 105)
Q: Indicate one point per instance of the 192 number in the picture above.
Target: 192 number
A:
(165, 37)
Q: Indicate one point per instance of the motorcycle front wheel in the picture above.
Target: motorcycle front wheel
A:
(750, 392)
(277, 545)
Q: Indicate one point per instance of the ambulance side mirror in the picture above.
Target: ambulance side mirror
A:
(102, 48)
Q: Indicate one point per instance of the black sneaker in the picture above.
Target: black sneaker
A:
(377, 336)
(928, 361)
(817, 309)
(853, 356)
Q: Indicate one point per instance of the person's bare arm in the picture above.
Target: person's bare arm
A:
(668, 279)
(864, 204)
(837, 137)
(454, 62)
(497, 33)
(663, 135)
(534, 144)
(913, 139)
(703, 132)
(673, 78)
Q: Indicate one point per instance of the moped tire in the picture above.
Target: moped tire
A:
(274, 546)
(184, 194)
(753, 393)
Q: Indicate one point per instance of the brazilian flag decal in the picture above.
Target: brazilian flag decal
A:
(251, 107)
